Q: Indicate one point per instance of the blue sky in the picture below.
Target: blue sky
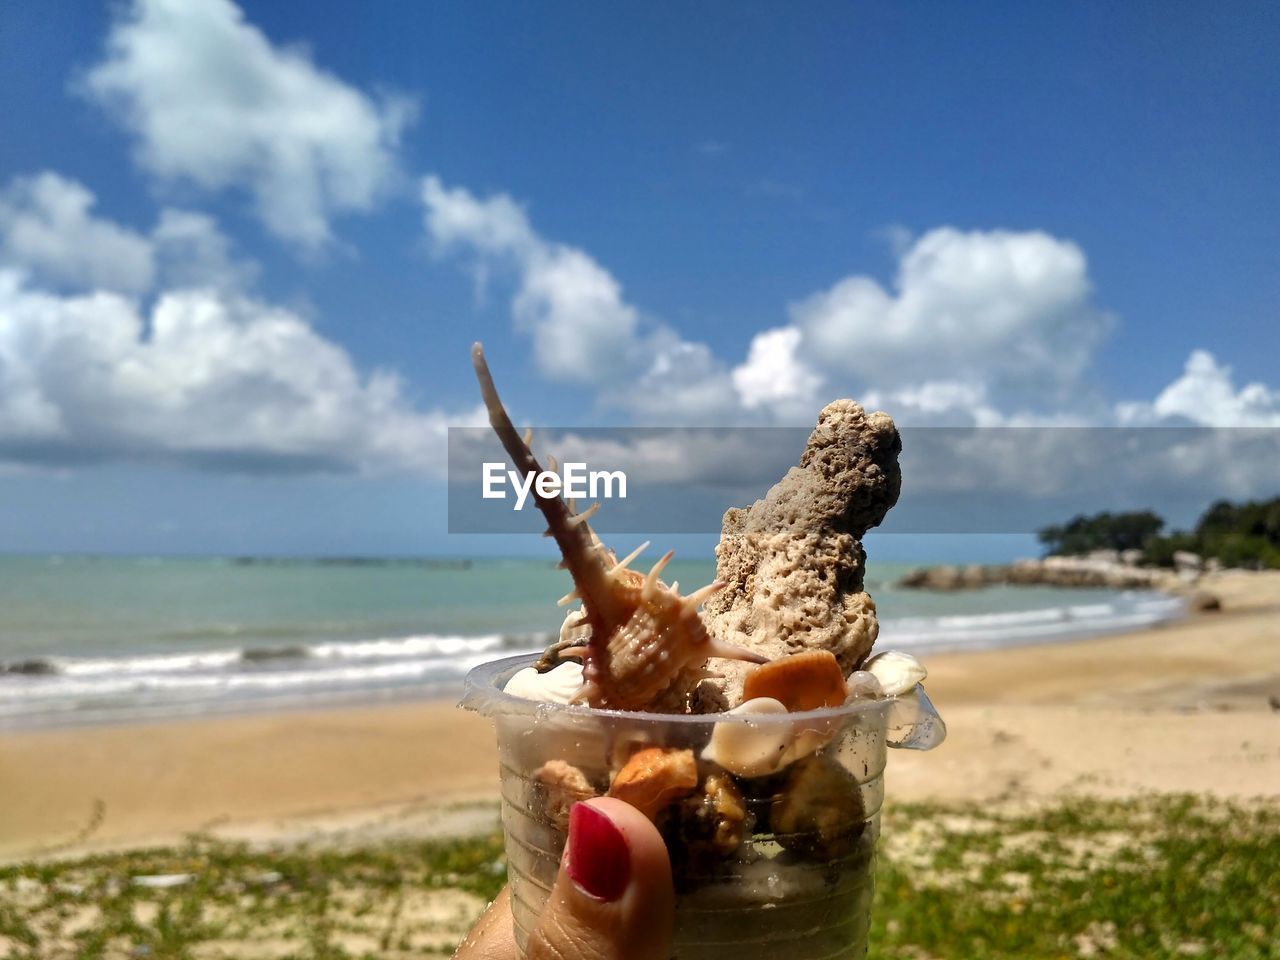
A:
(248, 247)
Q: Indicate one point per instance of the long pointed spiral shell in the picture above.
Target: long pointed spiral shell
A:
(645, 640)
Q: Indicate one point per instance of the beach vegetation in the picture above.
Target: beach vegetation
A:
(1103, 531)
(1237, 535)
(1158, 878)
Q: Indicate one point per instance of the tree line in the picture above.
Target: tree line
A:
(1237, 535)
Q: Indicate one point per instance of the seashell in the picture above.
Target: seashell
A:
(655, 777)
(897, 672)
(705, 827)
(557, 787)
(819, 812)
(748, 749)
(914, 722)
(802, 681)
(863, 685)
(647, 645)
(557, 685)
(810, 739)
(569, 645)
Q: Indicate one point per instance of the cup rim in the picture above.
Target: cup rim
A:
(483, 694)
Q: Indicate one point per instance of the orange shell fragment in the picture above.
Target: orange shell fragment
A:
(801, 681)
(654, 777)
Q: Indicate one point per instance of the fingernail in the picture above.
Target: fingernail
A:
(599, 861)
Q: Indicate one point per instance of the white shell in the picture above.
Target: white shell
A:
(571, 628)
(557, 685)
(863, 685)
(749, 750)
(914, 723)
(897, 672)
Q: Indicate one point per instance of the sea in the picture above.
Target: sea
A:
(88, 640)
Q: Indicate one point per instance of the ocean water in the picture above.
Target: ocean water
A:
(95, 639)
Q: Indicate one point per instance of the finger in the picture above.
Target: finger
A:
(492, 937)
(612, 899)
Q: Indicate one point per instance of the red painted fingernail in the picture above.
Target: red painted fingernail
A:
(599, 861)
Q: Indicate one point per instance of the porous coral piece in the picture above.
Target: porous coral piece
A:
(654, 777)
(803, 681)
(793, 561)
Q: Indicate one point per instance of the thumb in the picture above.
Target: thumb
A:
(612, 899)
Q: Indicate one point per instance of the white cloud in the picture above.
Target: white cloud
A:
(939, 403)
(582, 328)
(47, 230)
(212, 101)
(977, 323)
(772, 375)
(1206, 394)
(47, 227)
(220, 380)
(495, 226)
(1006, 313)
(193, 252)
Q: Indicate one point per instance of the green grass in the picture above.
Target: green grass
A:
(1164, 877)
(406, 899)
(1159, 878)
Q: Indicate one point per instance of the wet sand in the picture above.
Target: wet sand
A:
(1180, 708)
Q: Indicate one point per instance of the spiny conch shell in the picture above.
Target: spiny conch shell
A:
(897, 672)
(560, 785)
(655, 777)
(747, 749)
(646, 640)
(557, 685)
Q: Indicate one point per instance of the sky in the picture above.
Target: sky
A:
(244, 249)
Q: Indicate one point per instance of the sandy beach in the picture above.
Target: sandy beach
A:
(1179, 708)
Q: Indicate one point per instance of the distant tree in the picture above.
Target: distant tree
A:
(1236, 534)
(1159, 551)
(1102, 531)
(1241, 535)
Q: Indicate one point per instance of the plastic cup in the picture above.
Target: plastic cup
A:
(798, 886)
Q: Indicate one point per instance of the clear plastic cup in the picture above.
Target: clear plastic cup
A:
(797, 885)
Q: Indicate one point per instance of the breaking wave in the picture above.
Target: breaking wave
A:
(47, 690)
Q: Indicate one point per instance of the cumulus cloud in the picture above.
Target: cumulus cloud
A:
(193, 252)
(48, 228)
(1206, 394)
(219, 380)
(1006, 315)
(773, 375)
(582, 328)
(939, 403)
(213, 102)
(983, 328)
(48, 231)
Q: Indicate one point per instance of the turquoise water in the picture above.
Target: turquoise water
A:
(88, 638)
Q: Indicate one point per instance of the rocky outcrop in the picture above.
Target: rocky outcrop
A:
(793, 561)
(1051, 571)
(1202, 601)
(952, 577)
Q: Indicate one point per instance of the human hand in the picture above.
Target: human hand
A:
(612, 899)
